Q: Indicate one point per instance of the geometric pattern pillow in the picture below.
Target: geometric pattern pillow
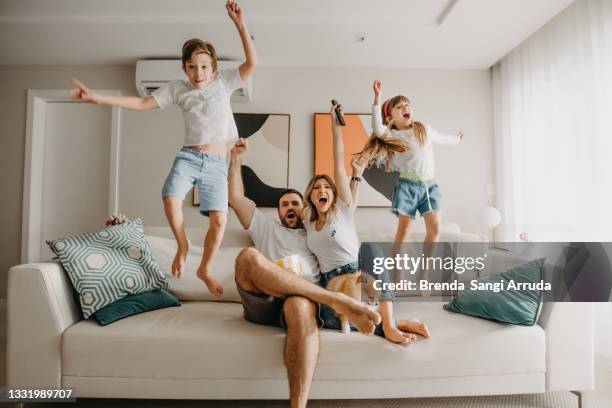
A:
(109, 264)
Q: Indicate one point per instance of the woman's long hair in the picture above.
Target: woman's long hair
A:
(309, 212)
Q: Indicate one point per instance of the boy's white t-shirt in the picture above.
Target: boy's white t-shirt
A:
(207, 112)
(337, 243)
(418, 161)
(275, 241)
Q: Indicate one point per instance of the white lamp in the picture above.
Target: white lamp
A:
(490, 217)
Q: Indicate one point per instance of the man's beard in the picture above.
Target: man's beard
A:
(298, 221)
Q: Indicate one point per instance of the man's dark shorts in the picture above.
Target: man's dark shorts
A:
(267, 310)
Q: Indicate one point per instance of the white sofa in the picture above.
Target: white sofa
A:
(204, 349)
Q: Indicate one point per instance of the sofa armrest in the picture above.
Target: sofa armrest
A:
(569, 346)
(40, 306)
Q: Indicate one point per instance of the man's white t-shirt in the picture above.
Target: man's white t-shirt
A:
(207, 112)
(337, 243)
(276, 241)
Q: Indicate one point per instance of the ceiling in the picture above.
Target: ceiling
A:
(463, 34)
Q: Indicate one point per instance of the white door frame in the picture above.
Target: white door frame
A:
(31, 228)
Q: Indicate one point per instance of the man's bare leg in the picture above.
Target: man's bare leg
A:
(301, 347)
(257, 274)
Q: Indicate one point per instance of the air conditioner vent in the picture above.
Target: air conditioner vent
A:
(153, 74)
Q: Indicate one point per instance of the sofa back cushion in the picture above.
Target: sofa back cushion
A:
(189, 287)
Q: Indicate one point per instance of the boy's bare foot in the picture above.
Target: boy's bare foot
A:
(394, 335)
(212, 284)
(414, 326)
(363, 317)
(178, 264)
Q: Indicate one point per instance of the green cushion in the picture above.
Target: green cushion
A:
(514, 306)
(109, 264)
(134, 304)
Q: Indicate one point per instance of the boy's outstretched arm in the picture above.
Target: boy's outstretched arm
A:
(80, 92)
(234, 11)
(243, 207)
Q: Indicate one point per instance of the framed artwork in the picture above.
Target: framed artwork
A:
(265, 166)
(376, 189)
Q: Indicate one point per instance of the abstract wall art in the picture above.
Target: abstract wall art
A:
(265, 166)
(376, 189)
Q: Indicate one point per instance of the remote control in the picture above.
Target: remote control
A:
(339, 116)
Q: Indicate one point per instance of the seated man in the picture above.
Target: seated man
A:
(276, 296)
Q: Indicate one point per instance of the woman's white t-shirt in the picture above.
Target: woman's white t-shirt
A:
(337, 243)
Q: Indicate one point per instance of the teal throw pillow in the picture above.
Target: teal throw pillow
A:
(135, 304)
(510, 305)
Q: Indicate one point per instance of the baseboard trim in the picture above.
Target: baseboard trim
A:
(603, 362)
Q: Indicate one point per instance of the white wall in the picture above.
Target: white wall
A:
(14, 82)
(448, 99)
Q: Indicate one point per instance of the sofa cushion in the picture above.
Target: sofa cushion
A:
(508, 305)
(106, 265)
(134, 304)
(206, 340)
(189, 286)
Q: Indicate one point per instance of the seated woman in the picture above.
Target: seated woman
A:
(328, 217)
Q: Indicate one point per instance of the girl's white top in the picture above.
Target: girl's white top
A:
(336, 244)
(418, 162)
(207, 112)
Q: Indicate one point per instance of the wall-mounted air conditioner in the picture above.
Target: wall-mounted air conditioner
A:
(153, 74)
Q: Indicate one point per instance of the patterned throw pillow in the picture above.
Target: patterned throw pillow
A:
(109, 264)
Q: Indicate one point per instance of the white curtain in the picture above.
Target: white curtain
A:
(553, 129)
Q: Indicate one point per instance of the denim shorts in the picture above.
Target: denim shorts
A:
(410, 196)
(208, 172)
(267, 310)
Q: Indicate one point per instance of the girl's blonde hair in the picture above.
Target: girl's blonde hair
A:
(379, 149)
(418, 128)
(309, 212)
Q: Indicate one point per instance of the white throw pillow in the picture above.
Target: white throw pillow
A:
(189, 287)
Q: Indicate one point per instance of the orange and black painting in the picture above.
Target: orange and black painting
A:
(376, 188)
